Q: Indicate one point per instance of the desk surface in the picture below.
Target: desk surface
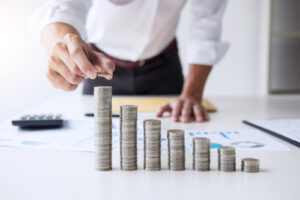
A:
(49, 174)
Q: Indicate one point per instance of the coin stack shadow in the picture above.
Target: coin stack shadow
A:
(176, 150)
(128, 137)
(152, 145)
(226, 159)
(103, 128)
(201, 154)
(250, 165)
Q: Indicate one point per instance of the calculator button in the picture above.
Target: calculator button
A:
(24, 117)
(41, 117)
(33, 117)
(58, 117)
(49, 116)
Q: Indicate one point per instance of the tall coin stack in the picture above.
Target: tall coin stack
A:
(226, 159)
(152, 138)
(250, 165)
(176, 150)
(103, 128)
(201, 154)
(128, 137)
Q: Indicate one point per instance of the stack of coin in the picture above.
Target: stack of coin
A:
(128, 137)
(176, 150)
(103, 128)
(250, 165)
(152, 138)
(201, 154)
(226, 159)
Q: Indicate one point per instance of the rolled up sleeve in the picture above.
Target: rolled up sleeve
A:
(72, 12)
(205, 46)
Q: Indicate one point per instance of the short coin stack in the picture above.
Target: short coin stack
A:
(128, 137)
(226, 159)
(103, 128)
(201, 154)
(176, 150)
(250, 165)
(152, 138)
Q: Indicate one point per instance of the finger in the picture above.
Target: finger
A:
(164, 108)
(75, 48)
(59, 67)
(59, 82)
(205, 114)
(186, 112)
(177, 111)
(109, 67)
(60, 50)
(198, 113)
(105, 65)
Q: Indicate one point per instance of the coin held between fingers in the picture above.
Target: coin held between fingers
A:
(105, 75)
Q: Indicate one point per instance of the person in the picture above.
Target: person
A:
(132, 44)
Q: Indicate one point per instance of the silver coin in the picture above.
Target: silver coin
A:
(150, 122)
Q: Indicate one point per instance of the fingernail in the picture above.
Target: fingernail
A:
(109, 77)
(110, 71)
(91, 75)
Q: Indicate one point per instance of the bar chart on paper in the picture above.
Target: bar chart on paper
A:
(78, 135)
(243, 140)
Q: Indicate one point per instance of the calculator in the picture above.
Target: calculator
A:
(39, 121)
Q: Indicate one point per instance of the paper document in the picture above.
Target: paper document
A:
(288, 128)
(77, 135)
(69, 137)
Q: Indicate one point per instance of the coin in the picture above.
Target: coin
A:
(226, 159)
(103, 127)
(250, 165)
(176, 149)
(152, 144)
(128, 137)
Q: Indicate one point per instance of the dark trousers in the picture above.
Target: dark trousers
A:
(161, 75)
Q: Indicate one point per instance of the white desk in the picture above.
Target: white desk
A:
(49, 174)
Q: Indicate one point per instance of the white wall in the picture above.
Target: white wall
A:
(23, 63)
(237, 73)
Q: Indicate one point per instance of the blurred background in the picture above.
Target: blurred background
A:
(263, 58)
